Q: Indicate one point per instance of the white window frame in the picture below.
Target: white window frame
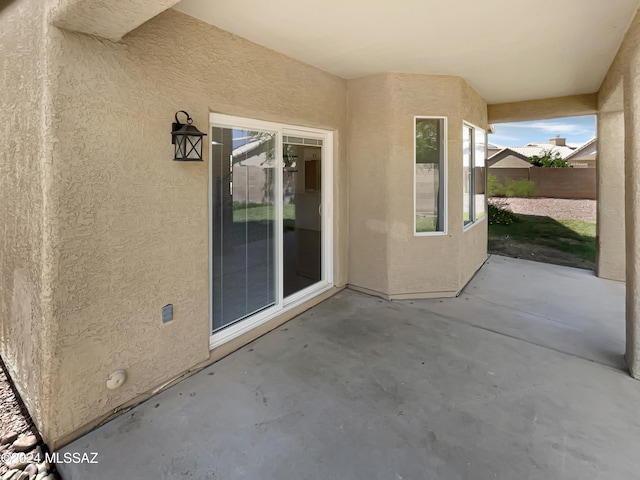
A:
(445, 177)
(472, 166)
(282, 305)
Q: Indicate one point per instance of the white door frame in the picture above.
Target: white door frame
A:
(282, 304)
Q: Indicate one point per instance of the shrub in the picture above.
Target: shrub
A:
(499, 213)
(521, 188)
(549, 159)
(494, 187)
(511, 188)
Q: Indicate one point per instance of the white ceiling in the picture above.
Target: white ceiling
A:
(509, 50)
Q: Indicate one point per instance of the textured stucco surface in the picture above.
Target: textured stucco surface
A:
(369, 161)
(473, 251)
(610, 187)
(25, 233)
(620, 91)
(610, 95)
(105, 18)
(632, 197)
(385, 256)
(632, 214)
(133, 223)
(570, 106)
(611, 251)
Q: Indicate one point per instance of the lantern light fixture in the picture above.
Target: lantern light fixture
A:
(187, 140)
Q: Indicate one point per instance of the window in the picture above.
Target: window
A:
(473, 174)
(430, 175)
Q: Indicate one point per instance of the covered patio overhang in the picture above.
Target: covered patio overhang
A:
(519, 377)
(340, 40)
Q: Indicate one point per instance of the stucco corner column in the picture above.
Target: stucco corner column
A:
(632, 212)
(610, 262)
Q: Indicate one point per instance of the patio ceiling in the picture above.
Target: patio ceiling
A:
(509, 51)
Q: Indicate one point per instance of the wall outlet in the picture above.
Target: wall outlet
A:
(167, 313)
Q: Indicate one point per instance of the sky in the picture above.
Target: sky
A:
(517, 134)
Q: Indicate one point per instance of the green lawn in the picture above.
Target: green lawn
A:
(425, 224)
(260, 213)
(569, 236)
(428, 224)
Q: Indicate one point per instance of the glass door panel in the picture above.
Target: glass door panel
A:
(244, 223)
(302, 207)
(467, 174)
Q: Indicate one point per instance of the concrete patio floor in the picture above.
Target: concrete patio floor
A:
(520, 377)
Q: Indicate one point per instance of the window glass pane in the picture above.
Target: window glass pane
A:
(297, 140)
(467, 174)
(302, 225)
(244, 221)
(429, 175)
(480, 172)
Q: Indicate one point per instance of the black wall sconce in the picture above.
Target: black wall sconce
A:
(187, 140)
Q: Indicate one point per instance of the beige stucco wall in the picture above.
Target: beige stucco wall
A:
(610, 243)
(105, 18)
(610, 95)
(611, 258)
(619, 104)
(630, 56)
(421, 265)
(134, 224)
(25, 233)
(570, 106)
(474, 239)
(632, 208)
(113, 229)
(386, 258)
(369, 151)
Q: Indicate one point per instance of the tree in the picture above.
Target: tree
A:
(428, 140)
(550, 159)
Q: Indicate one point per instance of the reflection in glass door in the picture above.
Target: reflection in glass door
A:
(243, 223)
(302, 211)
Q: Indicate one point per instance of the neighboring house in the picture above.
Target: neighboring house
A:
(509, 164)
(555, 145)
(493, 148)
(584, 156)
(123, 271)
(508, 158)
(512, 163)
(577, 155)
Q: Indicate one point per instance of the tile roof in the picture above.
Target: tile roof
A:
(532, 149)
(583, 147)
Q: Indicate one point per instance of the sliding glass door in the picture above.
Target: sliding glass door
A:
(302, 205)
(270, 246)
(244, 223)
